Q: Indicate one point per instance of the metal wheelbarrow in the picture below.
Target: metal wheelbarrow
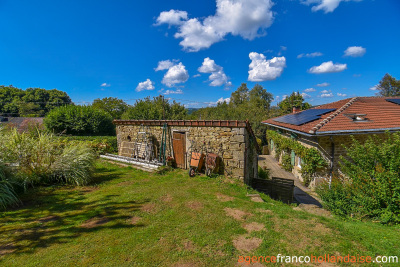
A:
(196, 163)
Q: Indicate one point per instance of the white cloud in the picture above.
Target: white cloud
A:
(105, 85)
(284, 97)
(374, 88)
(261, 69)
(324, 91)
(304, 95)
(172, 17)
(325, 5)
(164, 65)
(327, 95)
(218, 76)
(309, 90)
(146, 85)
(196, 75)
(222, 100)
(355, 51)
(328, 67)
(342, 95)
(315, 54)
(323, 84)
(176, 73)
(170, 92)
(246, 18)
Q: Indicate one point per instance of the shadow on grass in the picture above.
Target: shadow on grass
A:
(69, 215)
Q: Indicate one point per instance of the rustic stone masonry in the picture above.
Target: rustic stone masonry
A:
(233, 141)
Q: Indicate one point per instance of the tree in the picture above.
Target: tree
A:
(114, 106)
(294, 100)
(240, 96)
(155, 109)
(388, 86)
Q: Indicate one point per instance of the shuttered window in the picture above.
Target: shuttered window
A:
(292, 157)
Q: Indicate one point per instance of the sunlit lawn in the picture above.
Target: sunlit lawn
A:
(130, 217)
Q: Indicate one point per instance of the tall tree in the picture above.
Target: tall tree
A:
(114, 106)
(389, 86)
(240, 96)
(294, 100)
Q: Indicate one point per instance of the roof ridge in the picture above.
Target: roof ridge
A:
(328, 119)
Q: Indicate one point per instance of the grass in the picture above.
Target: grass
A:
(129, 217)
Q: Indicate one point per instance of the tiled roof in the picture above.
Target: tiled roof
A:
(380, 115)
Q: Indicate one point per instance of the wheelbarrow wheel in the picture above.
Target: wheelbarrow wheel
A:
(208, 172)
(192, 172)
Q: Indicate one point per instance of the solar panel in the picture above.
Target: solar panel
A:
(394, 100)
(304, 116)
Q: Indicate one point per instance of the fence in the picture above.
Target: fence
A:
(277, 188)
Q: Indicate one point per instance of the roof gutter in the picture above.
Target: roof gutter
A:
(360, 131)
(288, 129)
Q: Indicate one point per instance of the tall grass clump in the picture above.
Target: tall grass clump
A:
(41, 158)
(370, 186)
(8, 196)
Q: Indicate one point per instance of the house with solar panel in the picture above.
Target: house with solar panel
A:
(328, 127)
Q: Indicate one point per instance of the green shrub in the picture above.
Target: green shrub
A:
(263, 173)
(100, 144)
(370, 187)
(79, 120)
(287, 162)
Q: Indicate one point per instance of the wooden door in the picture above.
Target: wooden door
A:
(179, 146)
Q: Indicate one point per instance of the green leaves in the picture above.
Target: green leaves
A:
(389, 86)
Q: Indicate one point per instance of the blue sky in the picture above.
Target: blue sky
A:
(199, 51)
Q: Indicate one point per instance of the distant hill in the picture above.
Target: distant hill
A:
(191, 110)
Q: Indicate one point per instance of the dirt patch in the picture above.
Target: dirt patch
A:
(245, 244)
(51, 218)
(314, 209)
(237, 214)
(95, 222)
(149, 208)
(265, 211)
(254, 227)
(135, 219)
(166, 198)
(224, 198)
(255, 198)
(188, 245)
(195, 205)
(7, 249)
(89, 189)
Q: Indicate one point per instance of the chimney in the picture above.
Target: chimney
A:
(296, 109)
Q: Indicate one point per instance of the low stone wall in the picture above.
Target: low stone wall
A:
(234, 144)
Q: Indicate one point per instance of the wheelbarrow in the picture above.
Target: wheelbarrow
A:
(211, 163)
(196, 163)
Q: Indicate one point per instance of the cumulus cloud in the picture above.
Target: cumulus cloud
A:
(315, 54)
(323, 84)
(342, 95)
(164, 65)
(324, 91)
(146, 85)
(222, 100)
(105, 85)
(328, 67)
(304, 95)
(176, 73)
(355, 51)
(245, 18)
(325, 5)
(170, 92)
(218, 76)
(374, 88)
(172, 17)
(261, 69)
(327, 95)
(309, 90)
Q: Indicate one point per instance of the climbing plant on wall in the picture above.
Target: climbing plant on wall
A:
(312, 160)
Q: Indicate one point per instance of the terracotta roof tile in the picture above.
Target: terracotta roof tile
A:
(380, 114)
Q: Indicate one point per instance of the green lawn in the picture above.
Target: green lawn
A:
(129, 217)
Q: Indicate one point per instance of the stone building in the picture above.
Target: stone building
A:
(330, 131)
(233, 141)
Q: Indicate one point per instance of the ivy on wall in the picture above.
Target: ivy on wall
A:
(312, 160)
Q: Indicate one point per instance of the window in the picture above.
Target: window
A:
(272, 144)
(299, 162)
(292, 157)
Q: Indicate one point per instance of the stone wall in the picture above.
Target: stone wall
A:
(234, 145)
